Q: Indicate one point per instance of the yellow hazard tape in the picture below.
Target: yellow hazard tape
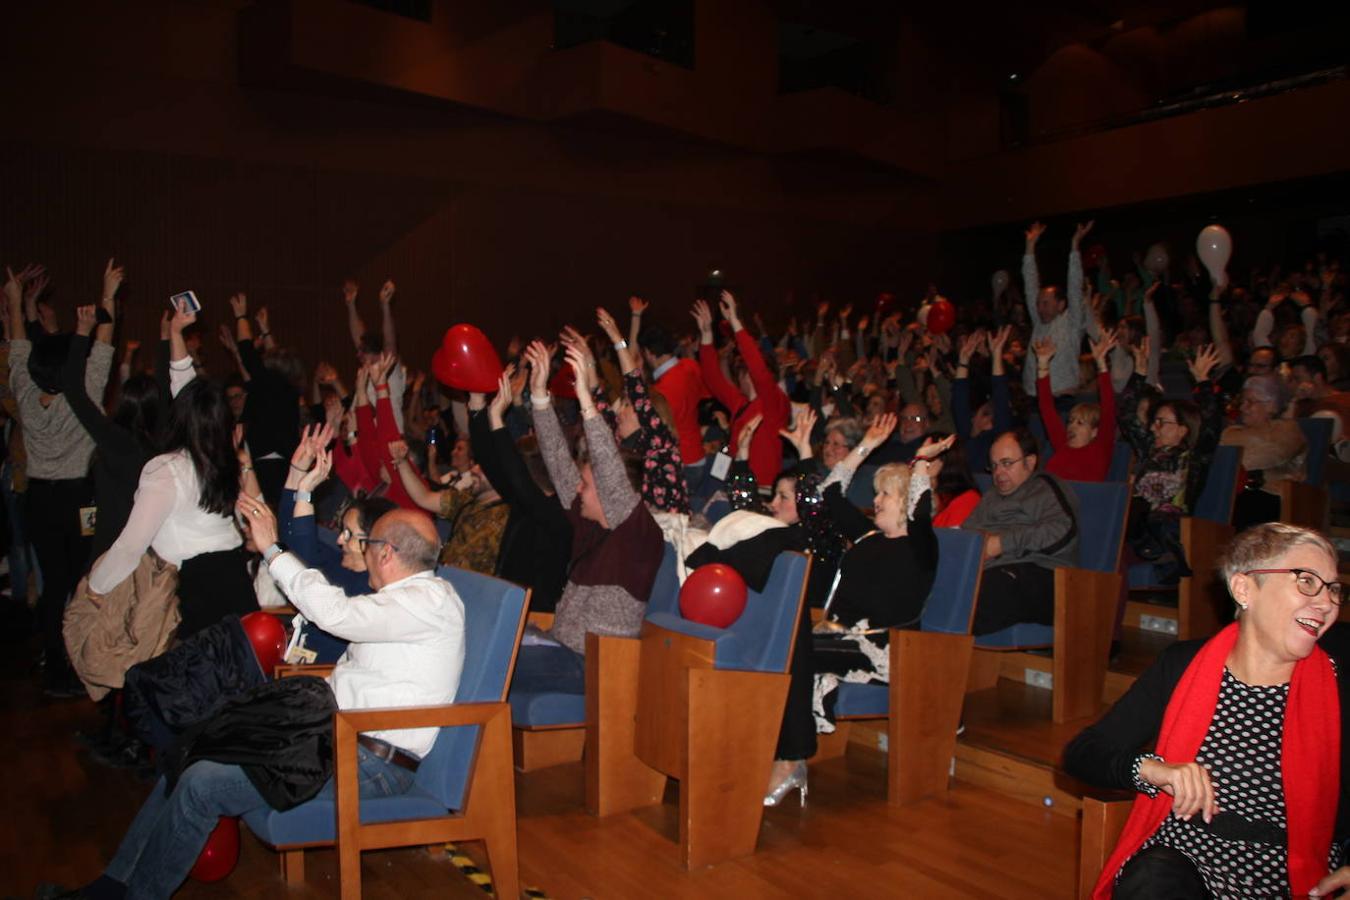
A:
(470, 870)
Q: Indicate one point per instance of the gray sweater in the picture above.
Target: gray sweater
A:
(1038, 523)
(57, 444)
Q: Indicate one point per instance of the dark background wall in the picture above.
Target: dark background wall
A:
(278, 147)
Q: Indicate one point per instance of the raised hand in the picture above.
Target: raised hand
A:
(261, 317)
(607, 324)
(1044, 349)
(1034, 234)
(746, 435)
(349, 291)
(880, 430)
(727, 303)
(399, 451)
(1101, 347)
(1140, 352)
(501, 401)
(800, 434)
(239, 304)
(318, 474)
(864, 322)
(13, 288)
(933, 448)
(845, 313)
(85, 319)
(637, 306)
(262, 523)
(576, 358)
(112, 280)
(822, 309)
(387, 291)
(165, 324)
(182, 318)
(571, 338)
(703, 316)
(226, 337)
(998, 339)
(1151, 290)
(1082, 231)
(540, 359)
(1206, 358)
(379, 372)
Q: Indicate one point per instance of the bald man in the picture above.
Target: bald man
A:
(407, 649)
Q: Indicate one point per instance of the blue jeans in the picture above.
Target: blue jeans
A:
(542, 669)
(171, 829)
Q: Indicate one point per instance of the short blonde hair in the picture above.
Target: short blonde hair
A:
(893, 479)
(1261, 545)
(1091, 413)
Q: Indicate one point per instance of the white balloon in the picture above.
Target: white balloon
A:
(1156, 259)
(1000, 282)
(1215, 247)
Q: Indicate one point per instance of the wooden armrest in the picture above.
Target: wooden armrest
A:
(319, 670)
(421, 716)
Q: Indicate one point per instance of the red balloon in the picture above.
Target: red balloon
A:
(221, 853)
(713, 595)
(564, 383)
(941, 316)
(267, 637)
(467, 361)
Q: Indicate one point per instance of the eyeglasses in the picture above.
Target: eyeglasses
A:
(346, 534)
(364, 542)
(1166, 422)
(1309, 584)
(912, 418)
(1005, 464)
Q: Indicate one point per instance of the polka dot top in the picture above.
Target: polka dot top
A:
(1242, 752)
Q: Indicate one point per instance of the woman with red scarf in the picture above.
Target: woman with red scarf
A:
(1241, 794)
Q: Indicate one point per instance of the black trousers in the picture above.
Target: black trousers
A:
(1160, 873)
(797, 734)
(212, 586)
(53, 512)
(1018, 592)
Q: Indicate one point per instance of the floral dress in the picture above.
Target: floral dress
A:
(663, 485)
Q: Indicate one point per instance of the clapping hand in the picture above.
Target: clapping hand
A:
(540, 359)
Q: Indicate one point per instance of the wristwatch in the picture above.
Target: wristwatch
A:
(273, 552)
(621, 344)
(304, 496)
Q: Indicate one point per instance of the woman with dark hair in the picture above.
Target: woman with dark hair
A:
(184, 507)
(955, 492)
(122, 443)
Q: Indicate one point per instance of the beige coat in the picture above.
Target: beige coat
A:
(133, 622)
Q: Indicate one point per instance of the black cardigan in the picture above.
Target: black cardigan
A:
(1103, 753)
(272, 409)
(119, 455)
(537, 544)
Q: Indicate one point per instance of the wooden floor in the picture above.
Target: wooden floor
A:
(64, 815)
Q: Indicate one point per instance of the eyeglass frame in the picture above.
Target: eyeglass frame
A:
(365, 542)
(1005, 464)
(1336, 597)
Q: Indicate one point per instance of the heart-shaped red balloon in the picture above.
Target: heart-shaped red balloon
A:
(221, 853)
(466, 361)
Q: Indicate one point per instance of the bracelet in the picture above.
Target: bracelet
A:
(304, 471)
(243, 318)
(303, 496)
(1140, 784)
(621, 344)
(243, 469)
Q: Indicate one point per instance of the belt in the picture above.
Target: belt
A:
(388, 752)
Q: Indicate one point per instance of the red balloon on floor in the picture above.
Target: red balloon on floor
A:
(466, 361)
(713, 595)
(941, 316)
(221, 853)
(267, 636)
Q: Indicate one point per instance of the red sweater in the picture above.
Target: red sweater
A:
(373, 437)
(766, 448)
(956, 510)
(1090, 463)
(682, 386)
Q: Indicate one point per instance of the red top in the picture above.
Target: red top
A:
(683, 388)
(1090, 463)
(954, 512)
(373, 437)
(766, 448)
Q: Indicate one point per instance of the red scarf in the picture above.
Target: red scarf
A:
(1309, 759)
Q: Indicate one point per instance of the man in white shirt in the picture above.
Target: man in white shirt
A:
(407, 649)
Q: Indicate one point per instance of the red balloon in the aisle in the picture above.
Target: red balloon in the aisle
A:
(466, 361)
(564, 383)
(267, 636)
(221, 853)
(713, 595)
(941, 316)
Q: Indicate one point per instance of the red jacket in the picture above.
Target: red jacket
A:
(682, 386)
(766, 448)
(1090, 463)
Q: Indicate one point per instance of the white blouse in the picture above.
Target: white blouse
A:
(166, 515)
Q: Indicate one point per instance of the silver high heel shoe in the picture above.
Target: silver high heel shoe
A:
(796, 780)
